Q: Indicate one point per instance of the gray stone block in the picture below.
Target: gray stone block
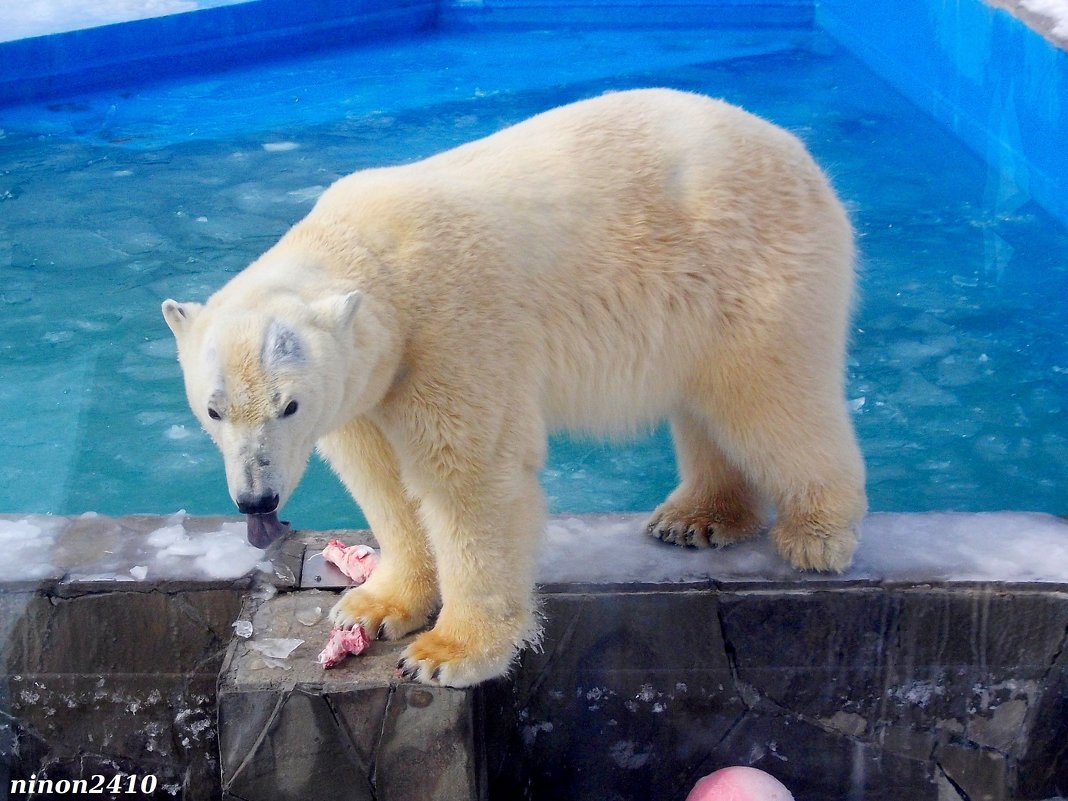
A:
(123, 678)
(72, 726)
(119, 632)
(1041, 752)
(428, 750)
(969, 657)
(819, 765)
(978, 774)
(355, 731)
(301, 753)
(630, 691)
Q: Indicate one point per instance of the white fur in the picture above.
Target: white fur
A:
(603, 266)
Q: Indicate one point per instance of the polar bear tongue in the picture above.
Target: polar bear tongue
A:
(265, 529)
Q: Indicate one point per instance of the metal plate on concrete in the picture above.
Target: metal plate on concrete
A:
(320, 574)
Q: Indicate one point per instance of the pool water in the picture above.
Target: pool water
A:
(112, 201)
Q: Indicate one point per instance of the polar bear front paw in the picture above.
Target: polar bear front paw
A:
(708, 524)
(439, 659)
(469, 646)
(383, 618)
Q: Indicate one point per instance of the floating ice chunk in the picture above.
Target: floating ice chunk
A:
(276, 647)
(916, 391)
(307, 194)
(160, 348)
(279, 147)
(911, 352)
(177, 432)
(139, 572)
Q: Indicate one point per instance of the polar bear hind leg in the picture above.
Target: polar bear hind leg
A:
(715, 504)
(788, 430)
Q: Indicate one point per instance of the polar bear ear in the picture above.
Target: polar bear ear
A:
(282, 347)
(180, 315)
(338, 311)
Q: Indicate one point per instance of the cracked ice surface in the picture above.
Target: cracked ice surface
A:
(997, 546)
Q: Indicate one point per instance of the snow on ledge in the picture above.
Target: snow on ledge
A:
(929, 547)
(1008, 547)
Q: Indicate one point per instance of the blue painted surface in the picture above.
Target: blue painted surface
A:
(131, 53)
(617, 14)
(997, 85)
(1012, 109)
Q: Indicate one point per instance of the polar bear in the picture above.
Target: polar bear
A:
(600, 267)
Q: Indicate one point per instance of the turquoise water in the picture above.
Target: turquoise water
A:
(112, 201)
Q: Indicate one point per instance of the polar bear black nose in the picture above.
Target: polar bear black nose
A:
(257, 505)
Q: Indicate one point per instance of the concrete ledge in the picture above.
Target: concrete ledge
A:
(112, 635)
(934, 669)
(304, 733)
(843, 692)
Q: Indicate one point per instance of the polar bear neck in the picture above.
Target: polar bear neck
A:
(375, 353)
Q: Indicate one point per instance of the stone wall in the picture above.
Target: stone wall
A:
(895, 680)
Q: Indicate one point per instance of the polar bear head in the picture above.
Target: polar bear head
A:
(266, 383)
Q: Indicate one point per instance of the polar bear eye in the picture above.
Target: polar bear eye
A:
(290, 410)
(214, 415)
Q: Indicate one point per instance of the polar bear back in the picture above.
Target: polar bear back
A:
(621, 244)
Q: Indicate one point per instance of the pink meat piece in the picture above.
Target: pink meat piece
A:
(355, 561)
(739, 784)
(343, 642)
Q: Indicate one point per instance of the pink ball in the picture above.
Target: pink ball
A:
(739, 784)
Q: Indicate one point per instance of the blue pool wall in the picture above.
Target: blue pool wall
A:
(998, 85)
(199, 41)
(527, 14)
